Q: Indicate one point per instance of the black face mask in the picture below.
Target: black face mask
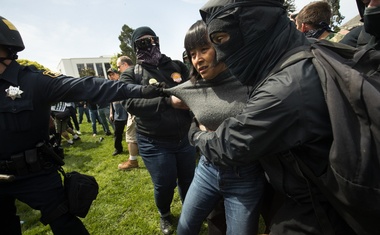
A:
(230, 26)
(372, 20)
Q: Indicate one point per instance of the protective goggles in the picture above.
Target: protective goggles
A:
(145, 43)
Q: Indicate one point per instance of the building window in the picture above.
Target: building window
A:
(80, 68)
(90, 67)
(99, 68)
(107, 66)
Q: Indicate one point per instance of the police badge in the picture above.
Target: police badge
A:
(14, 92)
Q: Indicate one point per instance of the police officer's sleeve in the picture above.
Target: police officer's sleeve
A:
(64, 88)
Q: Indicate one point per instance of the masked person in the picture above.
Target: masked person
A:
(28, 170)
(239, 188)
(161, 129)
(367, 34)
(285, 118)
(371, 17)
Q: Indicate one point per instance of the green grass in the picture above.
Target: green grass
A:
(125, 203)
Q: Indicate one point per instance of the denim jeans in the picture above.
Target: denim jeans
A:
(82, 110)
(240, 187)
(169, 163)
(94, 117)
(104, 116)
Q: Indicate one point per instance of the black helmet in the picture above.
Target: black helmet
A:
(9, 36)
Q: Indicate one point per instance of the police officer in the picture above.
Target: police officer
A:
(26, 172)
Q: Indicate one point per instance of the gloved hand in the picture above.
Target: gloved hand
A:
(151, 91)
(193, 131)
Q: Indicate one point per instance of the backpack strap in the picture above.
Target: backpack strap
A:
(291, 57)
(140, 74)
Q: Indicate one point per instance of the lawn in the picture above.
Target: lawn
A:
(125, 203)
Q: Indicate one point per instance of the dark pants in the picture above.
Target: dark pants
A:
(81, 111)
(119, 131)
(42, 192)
(73, 115)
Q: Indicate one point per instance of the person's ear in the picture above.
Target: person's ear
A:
(304, 28)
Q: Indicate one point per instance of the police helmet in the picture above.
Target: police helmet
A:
(9, 36)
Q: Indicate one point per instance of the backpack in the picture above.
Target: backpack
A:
(350, 81)
(81, 190)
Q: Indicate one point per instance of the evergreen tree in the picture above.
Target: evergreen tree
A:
(126, 44)
(290, 6)
(337, 18)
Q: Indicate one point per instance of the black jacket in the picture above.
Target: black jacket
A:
(156, 117)
(24, 120)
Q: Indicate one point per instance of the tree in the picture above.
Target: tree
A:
(126, 44)
(86, 72)
(337, 18)
(290, 6)
(38, 66)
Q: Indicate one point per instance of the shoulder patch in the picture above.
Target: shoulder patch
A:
(51, 74)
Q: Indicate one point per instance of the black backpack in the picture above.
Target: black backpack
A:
(350, 81)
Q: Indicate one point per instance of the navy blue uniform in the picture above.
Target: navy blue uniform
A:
(26, 96)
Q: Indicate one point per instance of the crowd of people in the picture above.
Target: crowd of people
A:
(215, 126)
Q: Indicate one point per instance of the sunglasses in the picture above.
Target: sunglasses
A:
(145, 43)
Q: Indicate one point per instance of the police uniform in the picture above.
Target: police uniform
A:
(25, 100)
(26, 172)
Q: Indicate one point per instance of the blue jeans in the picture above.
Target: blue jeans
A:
(82, 110)
(104, 116)
(94, 117)
(169, 163)
(241, 188)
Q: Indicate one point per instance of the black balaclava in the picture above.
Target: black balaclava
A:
(260, 34)
(372, 20)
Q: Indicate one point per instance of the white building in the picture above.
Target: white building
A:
(73, 66)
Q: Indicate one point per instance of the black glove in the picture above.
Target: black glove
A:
(151, 91)
(194, 129)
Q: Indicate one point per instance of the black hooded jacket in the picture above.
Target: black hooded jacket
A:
(156, 117)
(285, 111)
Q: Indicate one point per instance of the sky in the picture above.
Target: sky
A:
(62, 29)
